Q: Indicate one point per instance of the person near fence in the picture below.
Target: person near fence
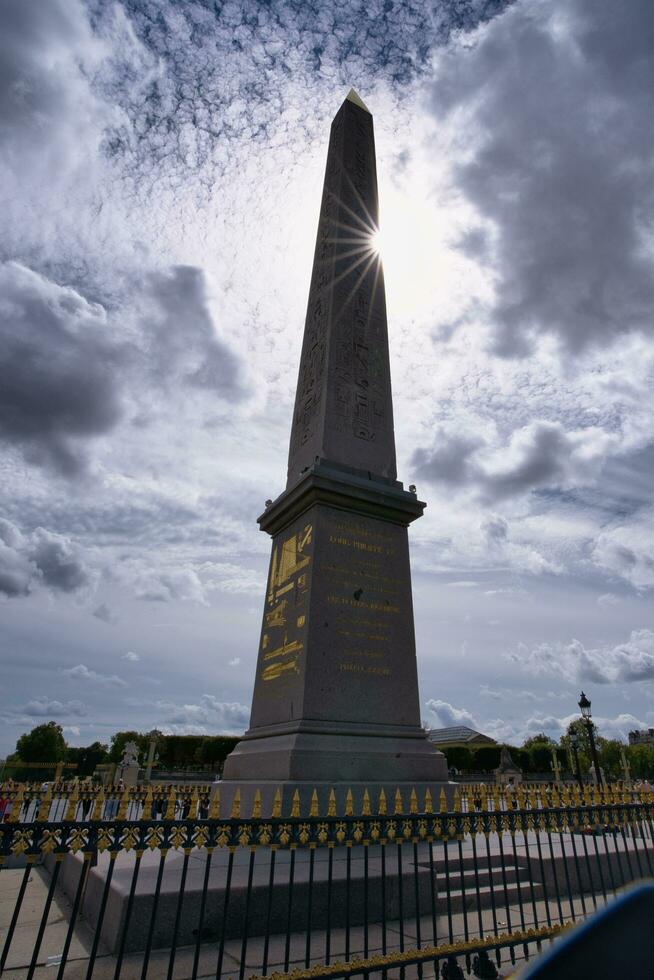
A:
(451, 970)
(483, 966)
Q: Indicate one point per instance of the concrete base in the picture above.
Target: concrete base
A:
(336, 753)
(323, 903)
(501, 881)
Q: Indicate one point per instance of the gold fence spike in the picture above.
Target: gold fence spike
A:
(295, 805)
(124, 803)
(381, 806)
(236, 805)
(71, 808)
(171, 805)
(397, 803)
(277, 804)
(365, 809)
(442, 802)
(313, 809)
(147, 805)
(429, 806)
(98, 805)
(457, 801)
(349, 804)
(17, 806)
(413, 802)
(46, 803)
(214, 806)
(331, 804)
(256, 806)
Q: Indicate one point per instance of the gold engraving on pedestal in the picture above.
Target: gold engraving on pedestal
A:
(352, 668)
(288, 559)
(294, 646)
(276, 670)
(276, 616)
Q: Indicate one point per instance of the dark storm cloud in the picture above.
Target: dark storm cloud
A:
(41, 558)
(540, 455)
(56, 369)
(450, 461)
(554, 103)
(180, 337)
(65, 365)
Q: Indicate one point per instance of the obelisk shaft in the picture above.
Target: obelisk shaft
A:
(343, 409)
(336, 691)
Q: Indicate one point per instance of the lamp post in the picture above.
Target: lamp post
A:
(584, 707)
(574, 745)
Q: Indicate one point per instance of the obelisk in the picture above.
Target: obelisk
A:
(336, 691)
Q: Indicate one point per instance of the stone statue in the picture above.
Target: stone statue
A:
(130, 754)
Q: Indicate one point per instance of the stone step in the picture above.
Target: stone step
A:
(516, 893)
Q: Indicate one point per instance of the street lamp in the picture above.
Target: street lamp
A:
(584, 707)
(574, 744)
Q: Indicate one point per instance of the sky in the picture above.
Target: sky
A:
(160, 177)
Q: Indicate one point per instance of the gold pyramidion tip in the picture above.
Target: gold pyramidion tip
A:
(356, 98)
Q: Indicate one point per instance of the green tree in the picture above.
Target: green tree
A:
(215, 749)
(641, 761)
(539, 750)
(458, 757)
(487, 758)
(87, 758)
(610, 758)
(45, 743)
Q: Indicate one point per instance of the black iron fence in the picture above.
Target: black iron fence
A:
(337, 895)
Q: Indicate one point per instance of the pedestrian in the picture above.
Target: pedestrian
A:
(203, 807)
(483, 967)
(451, 970)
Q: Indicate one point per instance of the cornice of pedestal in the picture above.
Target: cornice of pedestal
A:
(344, 489)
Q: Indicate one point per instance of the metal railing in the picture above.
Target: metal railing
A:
(394, 884)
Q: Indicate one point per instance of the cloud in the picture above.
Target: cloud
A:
(131, 656)
(209, 714)
(628, 552)
(446, 715)
(540, 455)
(45, 707)
(104, 613)
(562, 182)
(50, 118)
(181, 340)
(496, 530)
(235, 662)
(56, 370)
(82, 673)
(627, 662)
(181, 584)
(40, 558)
